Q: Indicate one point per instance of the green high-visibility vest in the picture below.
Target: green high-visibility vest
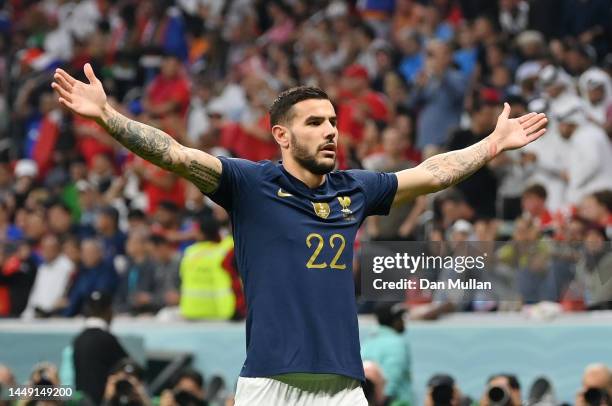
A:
(206, 288)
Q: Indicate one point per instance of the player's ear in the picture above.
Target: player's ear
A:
(281, 135)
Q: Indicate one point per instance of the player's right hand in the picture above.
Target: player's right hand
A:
(88, 100)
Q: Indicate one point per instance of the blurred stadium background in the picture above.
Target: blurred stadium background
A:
(80, 216)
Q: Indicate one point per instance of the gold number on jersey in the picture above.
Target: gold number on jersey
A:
(317, 251)
(321, 242)
(334, 263)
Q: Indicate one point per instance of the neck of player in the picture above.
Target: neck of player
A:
(312, 180)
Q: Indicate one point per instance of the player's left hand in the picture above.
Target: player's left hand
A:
(512, 133)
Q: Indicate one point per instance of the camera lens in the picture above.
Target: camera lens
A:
(123, 389)
(442, 395)
(595, 397)
(498, 396)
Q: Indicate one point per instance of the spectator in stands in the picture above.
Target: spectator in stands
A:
(513, 16)
(210, 287)
(594, 270)
(533, 204)
(95, 274)
(409, 45)
(556, 87)
(9, 232)
(35, 225)
(89, 203)
(389, 348)
(188, 389)
(17, 277)
(167, 98)
(502, 388)
(588, 22)
(438, 91)
(52, 280)
(96, 350)
(589, 168)
(374, 387)
(452, 206)
(167, 280)
(528, 256)
(358, 104)
(168, 223)
(107, 228)
(565, 255)
(597, 208)
(596, 91)
(137, 221)
(60, 220)
(480, 189)
(136, 287)
(402, 221)
(597, 377)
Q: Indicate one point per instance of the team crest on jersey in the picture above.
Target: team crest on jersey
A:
(345, 202)
(321, 209)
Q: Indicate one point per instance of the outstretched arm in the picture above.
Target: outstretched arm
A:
(450, 168)
(157, 147)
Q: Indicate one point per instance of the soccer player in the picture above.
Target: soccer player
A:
(294, 225)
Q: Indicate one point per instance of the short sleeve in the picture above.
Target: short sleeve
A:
(236, 175)
(379, 189)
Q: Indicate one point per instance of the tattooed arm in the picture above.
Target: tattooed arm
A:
(159, 148)
(89, 100)
(444, 170)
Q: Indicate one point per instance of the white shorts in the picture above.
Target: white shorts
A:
(300, 389)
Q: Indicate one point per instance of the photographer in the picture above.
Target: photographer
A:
(596, 386)
(43, 374)
(187, 391)
(442, 391)
(502, 390)
(124, 386)
(6, 379)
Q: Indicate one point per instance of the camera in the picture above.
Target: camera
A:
(186, 398)
(125, 393)
(499, 396)
(442, 394)
(43, 378)
(596, 397)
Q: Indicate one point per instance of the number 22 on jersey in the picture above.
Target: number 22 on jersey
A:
(336, 241)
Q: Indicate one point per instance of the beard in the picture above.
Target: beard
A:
(309, 161)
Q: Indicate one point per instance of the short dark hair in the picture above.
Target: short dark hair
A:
(536, 190)
(280, 110)
(512, 380)
(191, 374)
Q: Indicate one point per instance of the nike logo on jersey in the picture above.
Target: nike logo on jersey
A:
(280, 193)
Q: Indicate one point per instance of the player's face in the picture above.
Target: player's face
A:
(314, 136)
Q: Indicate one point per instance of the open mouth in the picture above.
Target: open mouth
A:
(329, 149)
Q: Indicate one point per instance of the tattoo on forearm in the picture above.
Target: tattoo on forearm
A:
(162, 150)
(143, 140)
(205, 178)
(453, 167)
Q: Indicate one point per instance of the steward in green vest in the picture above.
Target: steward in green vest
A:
(206, 286)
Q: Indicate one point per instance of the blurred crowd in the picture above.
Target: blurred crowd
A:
(408, 78)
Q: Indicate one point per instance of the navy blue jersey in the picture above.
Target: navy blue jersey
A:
(294, 251)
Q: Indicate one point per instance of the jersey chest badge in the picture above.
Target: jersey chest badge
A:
(321, 209)
(345, 202)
